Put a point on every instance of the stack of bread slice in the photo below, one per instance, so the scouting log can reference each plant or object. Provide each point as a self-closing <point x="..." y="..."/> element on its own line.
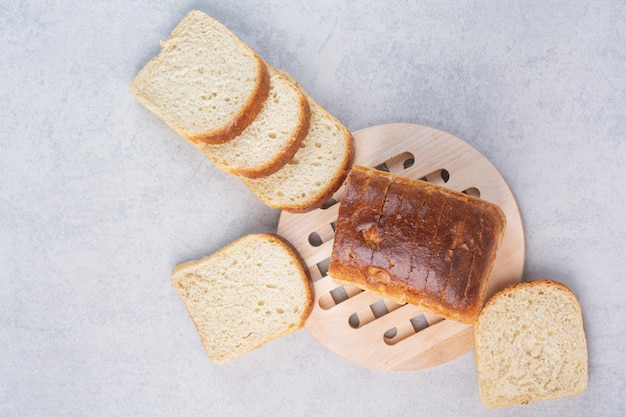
<point x="249" y="119"/>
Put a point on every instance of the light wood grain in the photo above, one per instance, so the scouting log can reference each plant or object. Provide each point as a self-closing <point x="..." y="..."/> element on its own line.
<point x="389" y="342"/>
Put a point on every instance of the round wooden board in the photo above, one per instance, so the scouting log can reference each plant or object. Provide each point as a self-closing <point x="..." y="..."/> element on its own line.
<point x="375" y="332"/>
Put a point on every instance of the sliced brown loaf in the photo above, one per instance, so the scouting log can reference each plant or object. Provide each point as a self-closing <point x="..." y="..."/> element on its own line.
<point x="271" y="140"/>
<point x="530" y="345"/>
<point x="316" y="171"/>
<point x="249" y="292"/>
<point x="206" y="84"/>
<point x="416" y="242"/>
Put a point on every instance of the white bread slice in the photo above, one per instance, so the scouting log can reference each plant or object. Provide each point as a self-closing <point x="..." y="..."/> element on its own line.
<point x="249" y="292"/>
<point x="316" y="171"/>
<point x="271" y="140"/>
<point x="530" y="345"/>
<point x="206" y="84"/>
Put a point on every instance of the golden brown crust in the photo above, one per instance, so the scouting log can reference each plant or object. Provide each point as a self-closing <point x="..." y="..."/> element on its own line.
<point x="529" y="284"/>
<point x="333" y="185"/>
<point x="288" y="152"/>
<point x="416" y="242"/>
<point x="305" y="273"/>
<point x="246" y="114"/>
<point x="337" y="181"/>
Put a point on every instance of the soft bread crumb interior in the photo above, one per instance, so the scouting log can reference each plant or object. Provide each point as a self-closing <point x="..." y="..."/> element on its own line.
<point x="246" y="294"/>
<point x="530" y="345"/>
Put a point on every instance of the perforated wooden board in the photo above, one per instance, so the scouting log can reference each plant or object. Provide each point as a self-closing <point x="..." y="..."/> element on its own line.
<point x="375" y="332"/>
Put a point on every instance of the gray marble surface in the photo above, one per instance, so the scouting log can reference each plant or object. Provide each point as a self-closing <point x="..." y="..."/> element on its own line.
<point x="99" y="200"/>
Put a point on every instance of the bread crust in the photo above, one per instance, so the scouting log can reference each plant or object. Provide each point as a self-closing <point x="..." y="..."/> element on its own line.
<point x="288" y="151"/>
<point x="416" y="242"/>
<point x="333" y="185"/>
<point x="340" y="176"/>
<point x="246" y="114"/>
<point x="529" y="284"/>
<point x="299" y="261"/>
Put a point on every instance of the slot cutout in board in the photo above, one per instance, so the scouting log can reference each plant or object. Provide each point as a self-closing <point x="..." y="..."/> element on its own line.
<point x="329" y="203"/>
<point x="372" y="312"/>
<point x="315" y="239"/>
<point x="473" y="191"/>
<point x="439" y="177"/>
<point x="337" y="296"/>
<point x="411" y="327"/>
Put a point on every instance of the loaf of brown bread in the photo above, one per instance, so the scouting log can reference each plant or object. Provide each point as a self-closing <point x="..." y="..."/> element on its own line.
<point x="416" y="242"/>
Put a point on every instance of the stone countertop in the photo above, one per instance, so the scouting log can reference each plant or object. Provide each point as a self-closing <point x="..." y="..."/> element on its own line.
<point x="99" y="200"/>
